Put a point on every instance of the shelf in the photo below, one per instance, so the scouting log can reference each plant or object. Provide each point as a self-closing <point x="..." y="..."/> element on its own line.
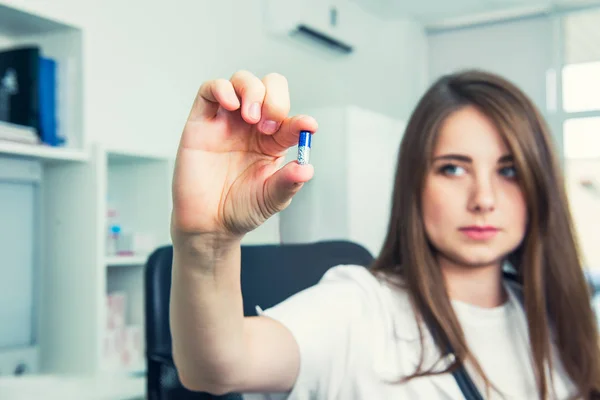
<point x="42" y="152"/>
<point x="122" y="156"/>
<point x="16" y="22"/>
<point x="20" y="26"/>
<point x="123" y="261"/>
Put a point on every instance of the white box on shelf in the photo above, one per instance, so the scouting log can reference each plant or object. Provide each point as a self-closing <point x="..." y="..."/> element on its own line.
<point x="144" y="242"/>
<point x="132" y="354"/>
<point x="110" y="351"/>
<point x="116" y="307"/>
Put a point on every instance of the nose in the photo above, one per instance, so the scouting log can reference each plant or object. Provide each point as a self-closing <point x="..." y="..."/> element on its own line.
<point x="483" y="195"/>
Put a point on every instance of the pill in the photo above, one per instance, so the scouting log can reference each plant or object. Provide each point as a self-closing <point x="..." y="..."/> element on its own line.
<point x="304" y="143"/>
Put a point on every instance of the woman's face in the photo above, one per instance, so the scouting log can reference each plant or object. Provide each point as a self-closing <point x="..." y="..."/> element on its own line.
<point x="473" y="207"/>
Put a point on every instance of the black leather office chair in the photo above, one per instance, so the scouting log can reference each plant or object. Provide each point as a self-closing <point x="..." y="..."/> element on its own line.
<point x="270" y="274"/>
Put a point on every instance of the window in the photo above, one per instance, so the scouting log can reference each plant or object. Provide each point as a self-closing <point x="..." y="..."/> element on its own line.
<point x="581" y="138"/>
<point x="581" y="127"/>
<point x="581" y="87"/>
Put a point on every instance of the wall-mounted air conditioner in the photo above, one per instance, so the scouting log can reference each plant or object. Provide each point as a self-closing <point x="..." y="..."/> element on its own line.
<point x="326" y="24"/>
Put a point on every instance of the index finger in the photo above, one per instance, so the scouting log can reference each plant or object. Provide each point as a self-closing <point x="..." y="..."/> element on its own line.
<point x="288" y="134"/>
<point x="212" y="95"/>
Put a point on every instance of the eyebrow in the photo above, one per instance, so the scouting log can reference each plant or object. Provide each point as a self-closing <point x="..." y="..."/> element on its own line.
<point x="460" y="157"/>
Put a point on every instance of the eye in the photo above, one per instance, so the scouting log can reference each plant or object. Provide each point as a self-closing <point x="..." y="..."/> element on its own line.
<point x="509" y="172"/>
<point x="451" y="169"/>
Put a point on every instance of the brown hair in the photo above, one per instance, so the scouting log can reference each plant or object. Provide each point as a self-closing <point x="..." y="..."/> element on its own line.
<point x="555" y="294"/>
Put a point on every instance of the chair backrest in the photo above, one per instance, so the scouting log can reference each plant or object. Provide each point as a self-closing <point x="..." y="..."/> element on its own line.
<point x="269" y="275"/>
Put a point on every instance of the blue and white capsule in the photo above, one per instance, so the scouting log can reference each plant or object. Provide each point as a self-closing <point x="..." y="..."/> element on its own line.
<point x="304" y="143"/>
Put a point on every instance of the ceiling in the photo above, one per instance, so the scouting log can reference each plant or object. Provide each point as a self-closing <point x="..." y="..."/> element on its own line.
<point x="440" y="13"/>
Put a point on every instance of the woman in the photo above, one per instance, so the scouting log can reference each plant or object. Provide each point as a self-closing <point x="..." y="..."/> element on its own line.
<point x="478" y="188"/>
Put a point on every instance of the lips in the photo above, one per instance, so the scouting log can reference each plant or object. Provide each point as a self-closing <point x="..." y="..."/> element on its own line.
<point x="479" y="232"/>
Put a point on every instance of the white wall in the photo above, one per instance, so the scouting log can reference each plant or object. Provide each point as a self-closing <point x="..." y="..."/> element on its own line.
<point x="371" y="173"/>
<point x="320" y="210"/>
<point x="521" y="51"/>
<point x="585" y="207"/>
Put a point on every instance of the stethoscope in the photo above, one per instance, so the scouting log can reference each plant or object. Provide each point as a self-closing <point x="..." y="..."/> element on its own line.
<point x="462" y="378"/>
<point x="466" y="385"/>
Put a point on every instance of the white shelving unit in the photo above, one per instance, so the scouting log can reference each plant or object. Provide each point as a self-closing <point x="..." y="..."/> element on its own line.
<point x="66" y="192"/>
<point x="40" y="152"/>
<point x="139" y="188"/>
<point x="78" y="183"/>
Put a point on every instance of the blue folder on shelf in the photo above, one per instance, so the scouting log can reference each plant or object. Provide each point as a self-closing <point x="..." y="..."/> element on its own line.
<point x="47" y="103"/>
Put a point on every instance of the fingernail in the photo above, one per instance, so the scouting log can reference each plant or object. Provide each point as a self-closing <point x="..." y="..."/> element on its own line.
<point x="254" y="111"/>
<point x="269" y="126"/>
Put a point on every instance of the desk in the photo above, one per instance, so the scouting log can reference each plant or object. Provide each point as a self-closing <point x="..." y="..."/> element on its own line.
<point x="67" y="387"/>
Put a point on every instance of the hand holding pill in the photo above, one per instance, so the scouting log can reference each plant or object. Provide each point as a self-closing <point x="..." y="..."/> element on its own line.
<point x="228" y="176"/>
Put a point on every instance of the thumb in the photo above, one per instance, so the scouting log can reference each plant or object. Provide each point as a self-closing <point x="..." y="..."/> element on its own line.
<point x="285" y="183"/>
